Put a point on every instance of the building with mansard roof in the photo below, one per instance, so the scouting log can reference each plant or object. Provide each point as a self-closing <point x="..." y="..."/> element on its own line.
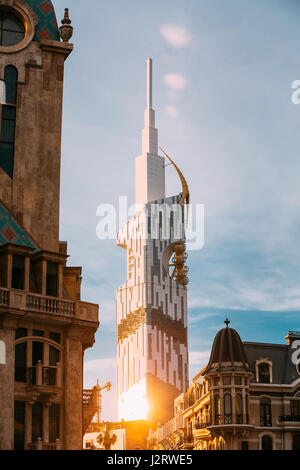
<point x="45" y="327"/>
<point x="246" y="398"/>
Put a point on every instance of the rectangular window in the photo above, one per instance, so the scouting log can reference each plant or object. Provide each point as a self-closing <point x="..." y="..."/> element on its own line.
<point x="20" y="362"/>
<point x="21" y="333"/>
<point x="54" y="356"/>
<point x="238" y="380"/>
<point x="227" y="380"/>
<point x="19" y="425"/>
<point x="295" y="408"/>
<point x="54" y="423"/>
<point x="18" y="272"/>
<point x="37" y="421"/>
<point x="37" y="352"/>
<point x="38" y="333"/>
<point x="52" y="279"/>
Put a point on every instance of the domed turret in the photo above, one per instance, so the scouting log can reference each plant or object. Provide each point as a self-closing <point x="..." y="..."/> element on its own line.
<point x="46" y="27"/>
<point x="227" y="351"/>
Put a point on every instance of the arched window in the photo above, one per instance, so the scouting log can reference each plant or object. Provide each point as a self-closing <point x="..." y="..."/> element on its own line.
<point x="266" y="443"/>
<point x="2" y="353"/>
<point x="239" y="408"/>
<point x="11" y="81"/>
<point x="7" y="139"/>
<point x="264" y="373"/>
<point x="265" y="412"/>
<point x="227" y="409"/>
<point x="217" y="409"/>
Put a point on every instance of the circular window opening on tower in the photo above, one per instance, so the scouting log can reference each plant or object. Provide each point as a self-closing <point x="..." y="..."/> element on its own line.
<point x="12" y="29"/>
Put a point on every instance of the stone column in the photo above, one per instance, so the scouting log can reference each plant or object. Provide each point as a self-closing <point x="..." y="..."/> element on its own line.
<point x="26" y="273"/>
<point x="28" y="424"/>
<point x="73" y="366"/>
<point x="7" y="382"/>
<point x="46" y="422"/>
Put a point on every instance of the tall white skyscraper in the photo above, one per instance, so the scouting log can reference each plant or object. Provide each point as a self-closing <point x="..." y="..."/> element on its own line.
<point x="152" y="364"/>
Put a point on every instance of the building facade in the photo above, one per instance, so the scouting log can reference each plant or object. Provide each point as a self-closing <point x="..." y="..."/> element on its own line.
<point x="152" y="361"/>
<point x="246" y="398"/>
<point x="44" y="325"/>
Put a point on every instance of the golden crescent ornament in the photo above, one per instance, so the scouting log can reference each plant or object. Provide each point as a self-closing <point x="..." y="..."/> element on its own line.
<point x="185" y="189"/>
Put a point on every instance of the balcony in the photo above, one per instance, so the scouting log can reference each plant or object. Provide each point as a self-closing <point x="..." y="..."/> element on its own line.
<point x="199" y="426"/>
<point x="230" y="420"/>
<point x="4" y="297"/>
<point x="44" y="379"/>
<point x="292" y="421"/>
<point x="42" y="304"/>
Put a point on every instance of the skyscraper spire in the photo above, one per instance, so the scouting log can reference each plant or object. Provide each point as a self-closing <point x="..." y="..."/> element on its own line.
<point x="150" y="170"/>
<point x="150" y="135"/>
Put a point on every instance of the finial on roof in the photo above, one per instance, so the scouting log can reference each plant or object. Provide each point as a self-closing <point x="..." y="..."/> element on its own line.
<point x="227" y="322"/>
<point x="66" y="30"/>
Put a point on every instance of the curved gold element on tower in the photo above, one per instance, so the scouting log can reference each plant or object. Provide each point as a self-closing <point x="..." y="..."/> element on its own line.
<point x="185" y="189"/>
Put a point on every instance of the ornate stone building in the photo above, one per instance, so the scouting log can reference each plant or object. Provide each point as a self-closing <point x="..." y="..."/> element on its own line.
<point x="44" y="325"/>
<point x="246" y="398"/>
<point x="152" y="304"/>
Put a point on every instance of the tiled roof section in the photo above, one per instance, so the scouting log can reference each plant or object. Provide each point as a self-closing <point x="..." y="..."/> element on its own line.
<point x="284" y="371"/>
<point x="12" y="232"/>
<point x="47" y="26"/>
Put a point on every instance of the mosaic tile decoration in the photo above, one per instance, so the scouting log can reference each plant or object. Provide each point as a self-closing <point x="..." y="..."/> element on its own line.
<point x="47" y="26"/>
<point x="12" y="232"/>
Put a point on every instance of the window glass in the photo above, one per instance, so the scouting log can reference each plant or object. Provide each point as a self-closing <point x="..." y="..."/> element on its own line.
<point x="54" y="423"/>
<point x="21" y="333"/>
<point x="238" y="380"/>
<point x="7" y="158"/>
<point x="37" y="421"/>
<point x="18" y="272"/>
<point x="19" y="425"/>
<point x="52" y="279"/>
<point x="265" y="412"/>
<point x="54" y="356"/>
<point x="267" y="443"/>
<point x="38" y="333"/>
<point x="12" y="29"/>
<point x="2" y="92"/>
<point x="37" y="352"/>
<point x="11" y="82"/>
<point x="227" y="380"/>
<point x="20" y="362"/>
<point x="264" y="373"/>
<point x="55" y="337"/>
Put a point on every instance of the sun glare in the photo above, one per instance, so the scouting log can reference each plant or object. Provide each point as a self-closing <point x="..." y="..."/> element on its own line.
<point x="133" y="404"/>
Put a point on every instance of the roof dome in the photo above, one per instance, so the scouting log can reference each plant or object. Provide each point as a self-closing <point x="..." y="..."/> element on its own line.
<point x="47" y="24"/>
<point x="227" y="351"/>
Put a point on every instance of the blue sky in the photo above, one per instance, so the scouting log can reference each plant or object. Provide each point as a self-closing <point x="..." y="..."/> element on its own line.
<point x="223" y="72"/>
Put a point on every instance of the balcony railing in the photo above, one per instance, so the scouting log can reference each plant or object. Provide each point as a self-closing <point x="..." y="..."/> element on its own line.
<point x="40" y="445"/>
<point x="42" y="304"/>
<point x="4" y="297"/>
<point x="289" y="418"/>
<point x="231" y="419"/>
<point x="202" y="425"/>
<point x="40" y="375"/>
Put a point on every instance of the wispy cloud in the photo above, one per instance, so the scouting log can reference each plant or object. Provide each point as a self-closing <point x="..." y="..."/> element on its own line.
<point x="175" y="81"/>
<point x="199" y="358"/>
<point x="175" y="35"/>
